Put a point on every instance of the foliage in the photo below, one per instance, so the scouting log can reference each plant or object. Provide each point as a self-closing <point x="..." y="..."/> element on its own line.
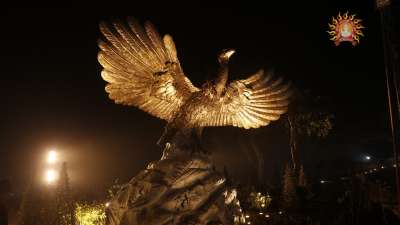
<point x="309" y="116"/>
<point x="259" y="201"/>
<point x="113" y="190"/>
<point x="36" y="208"/>
<point x="90" y="214"/>
<point x="48" y="205"/>
<point x="28" y="214"/>
<point x="317" y="124"/>
<point x="64" y="201"/>
<point x="306" y="117"/>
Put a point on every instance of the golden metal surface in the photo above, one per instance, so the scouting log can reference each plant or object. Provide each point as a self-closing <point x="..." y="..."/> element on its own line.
<point x="142" y="69"/>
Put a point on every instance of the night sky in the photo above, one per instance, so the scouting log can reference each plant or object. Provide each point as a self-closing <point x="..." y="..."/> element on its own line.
<point x="53" y="95"/>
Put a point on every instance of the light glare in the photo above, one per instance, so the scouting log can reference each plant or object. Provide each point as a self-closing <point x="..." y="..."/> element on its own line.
<point x="51" y="176"/>
<point x="52" y="157"/>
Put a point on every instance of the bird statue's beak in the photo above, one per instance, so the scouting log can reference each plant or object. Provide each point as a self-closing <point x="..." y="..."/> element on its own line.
<point x="229" y="53"/>
<point x="225" y="55"/>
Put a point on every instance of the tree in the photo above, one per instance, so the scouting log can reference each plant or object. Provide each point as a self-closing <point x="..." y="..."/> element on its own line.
<point x="90" y="214"/>
<point x="289" y="187"/>
<point x="33" y="209"/>
<point x="64" y="202"/>
<point x="28" y="212"/>
<point x="306" y="117"/>
<point x="302" y="178"/>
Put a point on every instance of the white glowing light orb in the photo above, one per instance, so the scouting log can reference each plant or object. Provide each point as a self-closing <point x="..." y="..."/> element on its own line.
<point x="367" y="157"/>
<point x="52" y="157"/>
<point x="51" y="176"/>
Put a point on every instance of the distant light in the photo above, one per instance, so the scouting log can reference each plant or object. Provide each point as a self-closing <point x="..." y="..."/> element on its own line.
<point x="107" y="204"/>
<point x="394" y="165"/>
<point x="260" y="213"/>
<point x="52" y="157"/>
<point x="248" y="222"/>
<point x="374" y="169"/>
<point x="382" y="167"/>
<point x="247" y="216"/>
<point x="51" y="176"/>
<point x="323" y="181"/>
<point x="266" y="215"/>
<point x="280" y="212"/>
<point x="367" y="157"/>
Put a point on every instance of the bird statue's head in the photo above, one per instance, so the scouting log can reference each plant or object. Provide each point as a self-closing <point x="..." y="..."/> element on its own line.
<point x="224" y="56"/>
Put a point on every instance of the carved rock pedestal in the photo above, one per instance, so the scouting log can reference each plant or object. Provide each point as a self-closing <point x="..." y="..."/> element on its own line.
<point x="181" y="188"/>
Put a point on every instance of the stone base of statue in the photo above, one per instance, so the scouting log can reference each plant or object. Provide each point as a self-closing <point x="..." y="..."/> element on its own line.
<point x="181" y="188"/>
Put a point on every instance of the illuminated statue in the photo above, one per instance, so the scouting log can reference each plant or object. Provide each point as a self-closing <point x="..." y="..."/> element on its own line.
<point x="142" y="69"/>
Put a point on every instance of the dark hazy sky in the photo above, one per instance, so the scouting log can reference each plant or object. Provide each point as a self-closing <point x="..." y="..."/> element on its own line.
<point x="52" y="94"/>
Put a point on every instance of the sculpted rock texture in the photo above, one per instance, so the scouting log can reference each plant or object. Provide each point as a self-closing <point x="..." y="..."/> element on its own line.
<point x="181" y="188"/>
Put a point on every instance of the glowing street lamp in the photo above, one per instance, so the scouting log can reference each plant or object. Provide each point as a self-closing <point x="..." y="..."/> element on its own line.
<point x="51" y="176"/>
<point x="367" y="157"/>
<point x="52" y="157"/>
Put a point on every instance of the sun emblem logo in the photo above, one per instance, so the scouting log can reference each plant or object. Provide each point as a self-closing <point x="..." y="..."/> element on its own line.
<point x="345" y="28"/>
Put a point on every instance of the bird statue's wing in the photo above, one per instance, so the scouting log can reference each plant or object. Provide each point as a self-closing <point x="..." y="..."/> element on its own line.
<point x="249" y="103"/>
<point x="142" y="69"/>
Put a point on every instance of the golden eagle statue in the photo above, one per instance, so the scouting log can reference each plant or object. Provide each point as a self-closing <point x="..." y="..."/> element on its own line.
<point x="143" y="70"/>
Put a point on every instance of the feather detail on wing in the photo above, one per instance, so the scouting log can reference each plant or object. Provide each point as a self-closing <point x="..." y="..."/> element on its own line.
<point x="249" y="103"/>
<point x="142" y="69"/>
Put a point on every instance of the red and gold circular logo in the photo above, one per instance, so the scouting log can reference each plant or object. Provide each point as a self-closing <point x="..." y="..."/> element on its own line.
<point x="345" y="28"/>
